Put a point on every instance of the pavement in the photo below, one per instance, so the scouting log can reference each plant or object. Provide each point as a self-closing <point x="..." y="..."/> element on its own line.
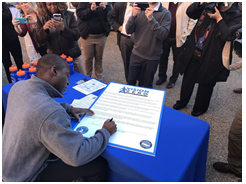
<point x="222" y="109"/>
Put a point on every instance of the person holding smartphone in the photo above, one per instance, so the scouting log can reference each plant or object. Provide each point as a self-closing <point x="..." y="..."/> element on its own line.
<point x="150" y="27"/>
<point x="58" y="34"/>
<point x="23" y="29"/>
<point x="94" y="29"/>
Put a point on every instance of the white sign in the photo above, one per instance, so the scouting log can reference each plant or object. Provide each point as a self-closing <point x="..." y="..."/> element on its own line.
<point x="137" y="112"/>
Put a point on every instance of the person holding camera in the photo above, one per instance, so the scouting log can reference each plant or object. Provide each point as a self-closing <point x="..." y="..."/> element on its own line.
<point x="26" y="29"/>
<point x="94" y="29"/>
<point x="150" y="26"/>
<point x="202" y="54"/>
<point x="57" y="32"/>
<point x="118" y="19"/>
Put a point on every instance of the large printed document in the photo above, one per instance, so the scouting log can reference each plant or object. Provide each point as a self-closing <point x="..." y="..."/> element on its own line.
<point x="137" y="111"/>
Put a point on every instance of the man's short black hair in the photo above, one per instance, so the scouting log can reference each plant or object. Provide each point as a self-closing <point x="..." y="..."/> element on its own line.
<point x="49" y="60"/>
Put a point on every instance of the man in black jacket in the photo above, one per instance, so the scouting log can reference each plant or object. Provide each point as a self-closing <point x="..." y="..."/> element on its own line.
<point x="10" y="42"/>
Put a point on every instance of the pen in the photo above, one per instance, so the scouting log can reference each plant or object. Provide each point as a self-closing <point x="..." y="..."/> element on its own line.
<point x="111" y="120"/>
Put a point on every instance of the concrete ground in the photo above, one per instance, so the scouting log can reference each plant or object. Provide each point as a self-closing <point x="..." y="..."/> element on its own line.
<point x="219" y="116"/>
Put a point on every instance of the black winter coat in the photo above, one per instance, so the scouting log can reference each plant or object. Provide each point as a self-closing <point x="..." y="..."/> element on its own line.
<point x="8" y="32"/>
<point x="211" y="68"/>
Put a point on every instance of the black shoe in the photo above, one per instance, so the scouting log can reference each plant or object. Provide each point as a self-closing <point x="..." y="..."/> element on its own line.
<point x="178" y="106"/>
<point x="197" y="113"/>
<point x="237" y="90"/>
<point x="224" y="168"/>
<point x="160" y="81"/>
<point x="170" y="85"/>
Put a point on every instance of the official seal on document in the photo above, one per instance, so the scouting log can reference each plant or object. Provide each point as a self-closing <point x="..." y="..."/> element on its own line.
<point x="82" y="129"/>
<point x="145" y="144"/>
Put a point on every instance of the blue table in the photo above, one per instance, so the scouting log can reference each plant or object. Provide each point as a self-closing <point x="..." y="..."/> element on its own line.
<point x="181" y="152"/>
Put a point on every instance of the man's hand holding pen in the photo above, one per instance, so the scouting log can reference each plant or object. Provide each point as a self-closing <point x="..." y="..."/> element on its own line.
<point x="110" y="126"/>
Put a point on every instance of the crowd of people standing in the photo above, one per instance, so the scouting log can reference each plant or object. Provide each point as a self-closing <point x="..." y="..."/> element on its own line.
<point x="145" y="39"/>
<point x="145" y="35"/>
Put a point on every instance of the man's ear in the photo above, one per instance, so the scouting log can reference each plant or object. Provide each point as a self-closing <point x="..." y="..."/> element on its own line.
<point x="53" y="71"/>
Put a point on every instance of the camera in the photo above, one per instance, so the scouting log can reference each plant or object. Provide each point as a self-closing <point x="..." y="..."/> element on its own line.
<point x="57" y="16"/>
<point x="97" y="3"/>
<point x="143" y="5"/>
<point x="210" y="8"/>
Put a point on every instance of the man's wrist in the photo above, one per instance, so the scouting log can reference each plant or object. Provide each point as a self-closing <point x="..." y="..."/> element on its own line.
<point x="219" y="19"/>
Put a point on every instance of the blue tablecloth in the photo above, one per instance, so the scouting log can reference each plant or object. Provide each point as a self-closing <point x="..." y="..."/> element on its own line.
<point x="181" y="152"/>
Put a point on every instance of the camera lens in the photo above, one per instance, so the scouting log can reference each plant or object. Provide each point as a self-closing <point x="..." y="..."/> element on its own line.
<point x="210" y="8"/>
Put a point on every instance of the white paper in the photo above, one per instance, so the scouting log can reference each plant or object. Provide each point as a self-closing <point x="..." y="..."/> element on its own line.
<point x="90" y="86"/>
<point x="137" y="116"/>
<point x="85" y="102"/>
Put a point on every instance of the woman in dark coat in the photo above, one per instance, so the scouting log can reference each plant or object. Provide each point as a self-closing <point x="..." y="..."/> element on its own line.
<point x="59" y="37"/>
<point x="202" y="56"/>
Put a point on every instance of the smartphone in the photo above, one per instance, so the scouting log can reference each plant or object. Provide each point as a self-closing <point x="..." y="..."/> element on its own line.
<point x="57" y="16"/>
<point x="97" y="3"/>
<point x="23" y="20"/>
<point x="143" y="6"/>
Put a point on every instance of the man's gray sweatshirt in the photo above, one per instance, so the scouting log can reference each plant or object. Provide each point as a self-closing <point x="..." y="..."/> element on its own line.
<point x="35" y="126"/>
<point x="149" y="35"/>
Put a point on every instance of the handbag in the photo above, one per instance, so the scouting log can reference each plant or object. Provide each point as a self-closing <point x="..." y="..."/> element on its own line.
<point x="74" y="50"/>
